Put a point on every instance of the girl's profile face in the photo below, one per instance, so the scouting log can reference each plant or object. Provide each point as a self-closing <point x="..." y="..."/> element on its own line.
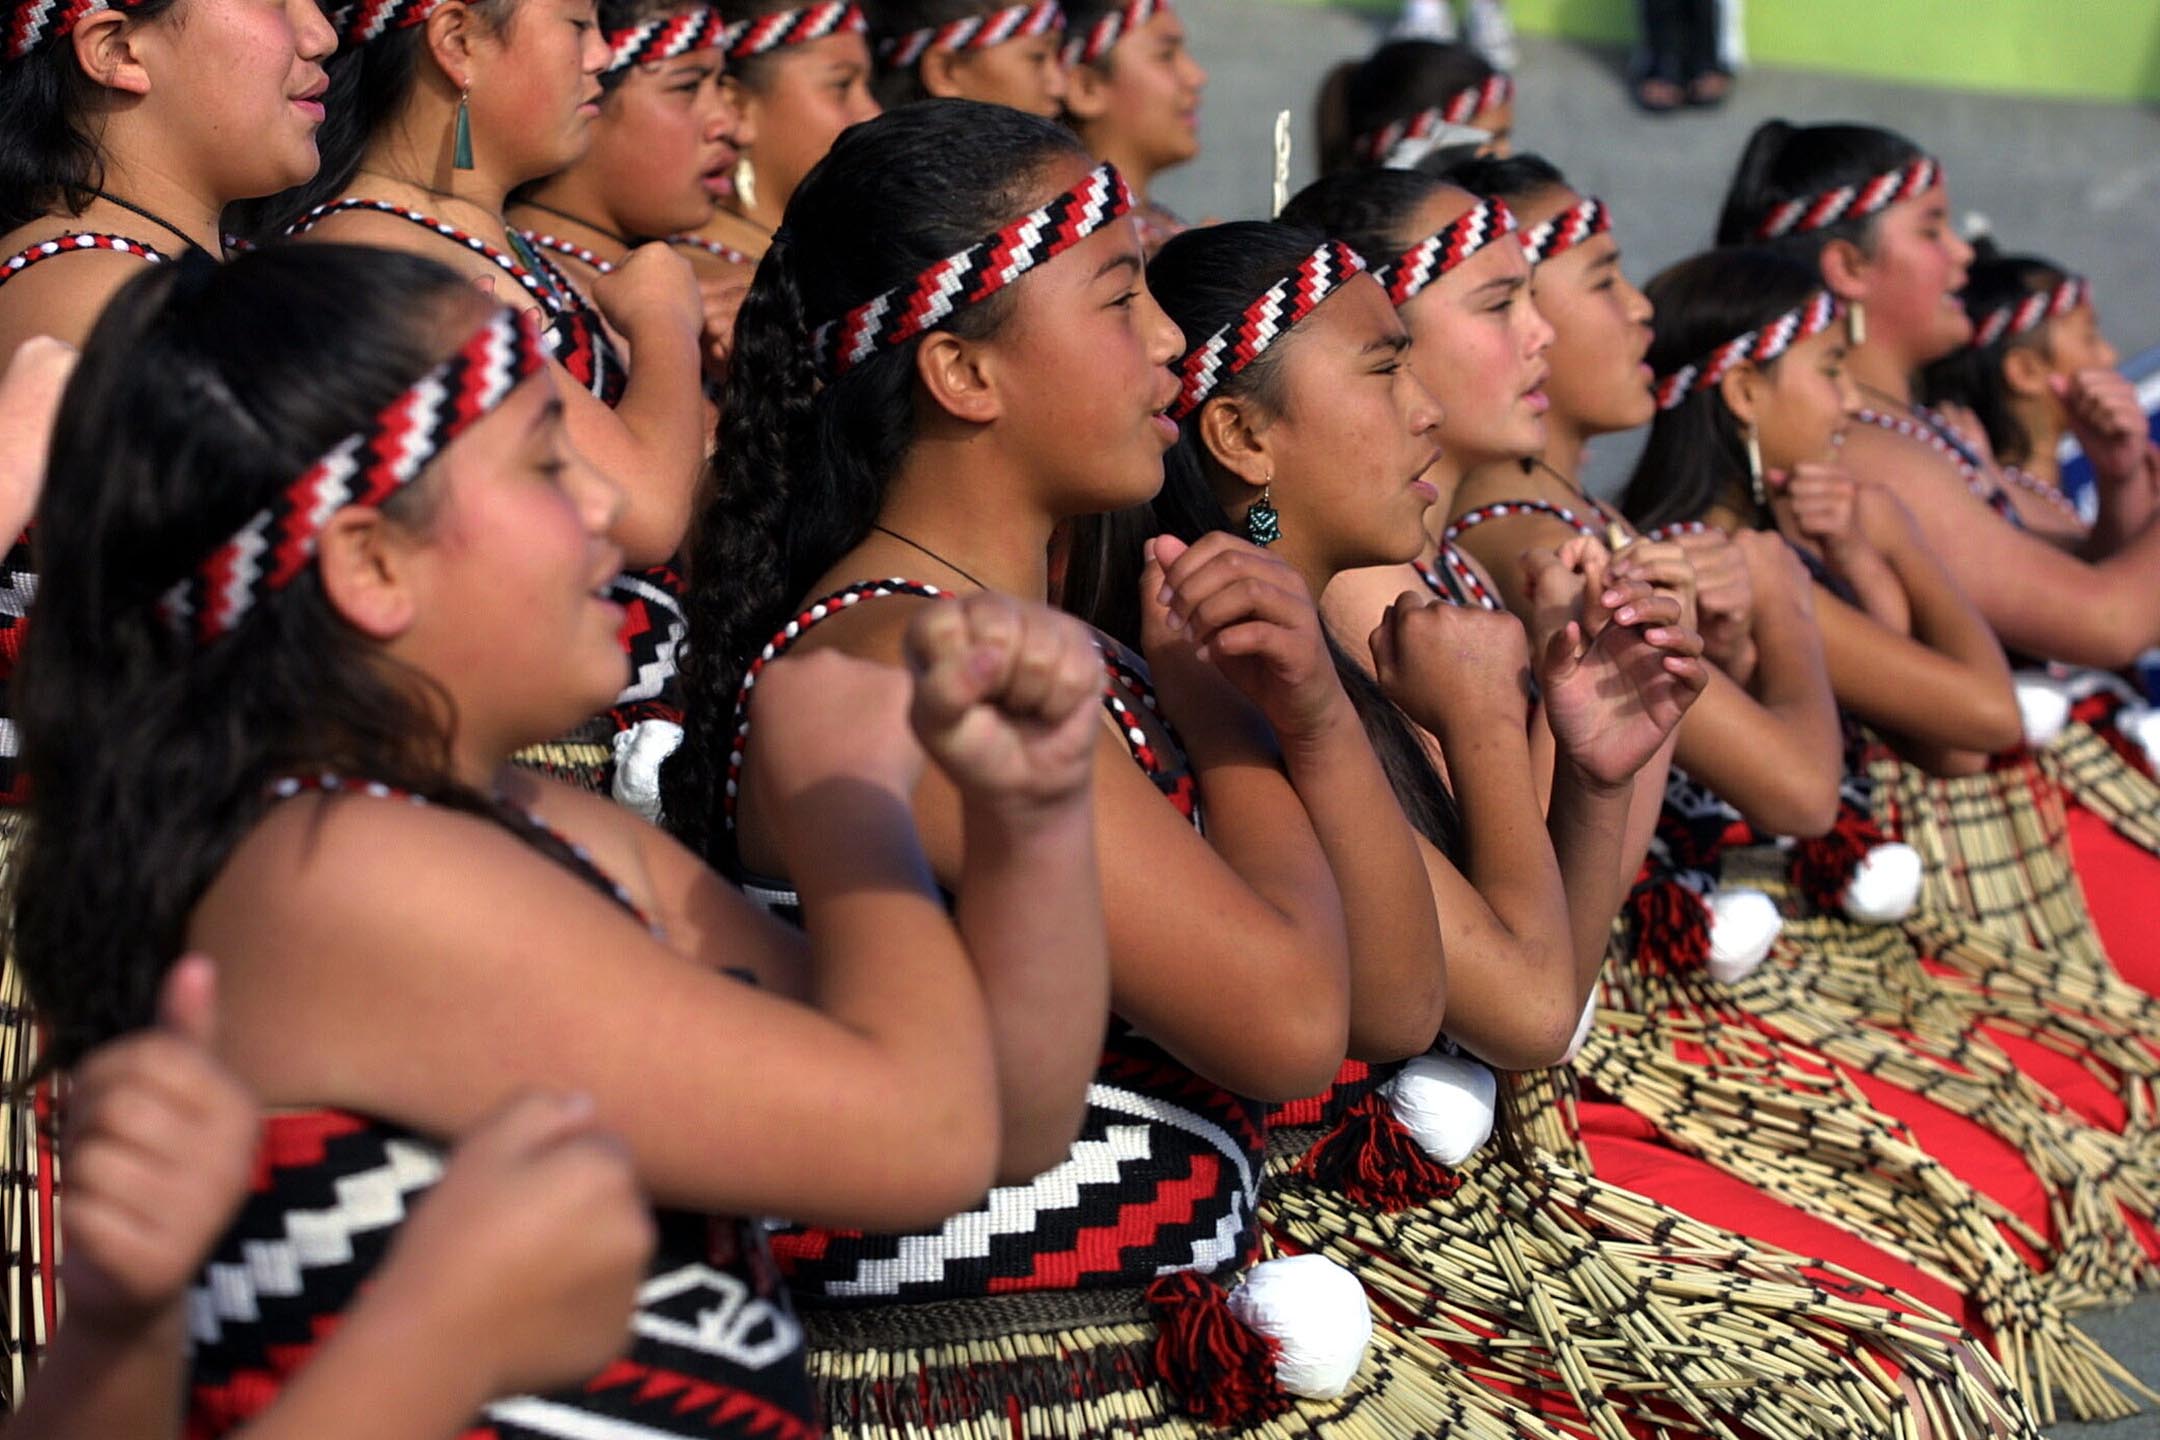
<point x="1917" y="270"/>
<point x="1804" y="396"/>
<point x="804" y="97"/>
<point x="1151" y="87"/>
<point x="661" y="145"/>
<point x="1025" y="74"/>
<point x="536" y="89"/>
<point x="1601" y="382"/>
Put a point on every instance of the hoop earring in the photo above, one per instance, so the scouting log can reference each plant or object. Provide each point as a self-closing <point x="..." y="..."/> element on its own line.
<point x="1753" y="442"/>
<point x="1262" y="525"/>
<point x="461" y="132"/>
<point x="746" y="183"/>
<point x="1856" y="324"/>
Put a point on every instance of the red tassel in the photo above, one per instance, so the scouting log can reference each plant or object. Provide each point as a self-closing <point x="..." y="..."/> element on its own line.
<point x="1671" y="924"/>
<point x="1823" y="867"/>
<point x="1214" y="1368"/>
<point x="1375" y="1163"/>
<point x="2100" y="711"/>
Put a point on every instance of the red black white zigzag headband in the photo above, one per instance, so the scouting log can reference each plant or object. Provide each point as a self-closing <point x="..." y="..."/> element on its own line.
<point x="366" y="468"/>
<point x="665" y="37"/>
<point x="1759" y="345"/>
<point x="1245" y="339"/>
<point x="1085" y="47"/>
<point x="1434" y="256"/>
<point x="1850" y="202"/>
<point x="2010" y="321"/>
<point x="973" y="32"/>
<point x="783" y="28"/>
<point x="1580" y="222"/>
<point x="1461" y="108"/>
<point x="30" y="23"/>
<point x="972" y="276"/>
<point x="359" y="23"/>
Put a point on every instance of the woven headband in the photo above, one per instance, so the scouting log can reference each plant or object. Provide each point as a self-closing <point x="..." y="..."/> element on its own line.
<point x="358" y="23"/>
<point x="1760" y="346"/>
<point x="30" y="23"/>
<point x="1461" y="108"/>
<point x="1085" y="47"/>
<point x="667" y="37"/>
<point x="365" y="468"/>
<point x="1269" y="318"/>
<point x="1580" y="222"/>
<point x="972" y="276"/>
<point x="1435" y="255"/>
<point x="972" y="32"/>
<point x="2011" y="321"/>
<point x="1850" y="202"/>
<point x="783" y="28"/>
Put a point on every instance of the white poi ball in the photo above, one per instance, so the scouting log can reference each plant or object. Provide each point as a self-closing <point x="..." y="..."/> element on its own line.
<point x="1316" y="1311"/>
<point x="1744" y="924"/>
<point x="1446" y="1103"/>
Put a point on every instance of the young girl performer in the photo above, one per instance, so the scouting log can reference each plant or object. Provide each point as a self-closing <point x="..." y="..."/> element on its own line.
<point x="1870" y="210"/>
<point x="1476" y="331"/>
<point x="902" y="404"/>
<point x="1410" y="97"/>
<point x="519" y="1273"/>
<point x="1132" y="92"/>
<point x="798" y="75"/>
<point x="347" y="596"/>
<point x="1323" y="432"/>
<point x="988" y="50"/>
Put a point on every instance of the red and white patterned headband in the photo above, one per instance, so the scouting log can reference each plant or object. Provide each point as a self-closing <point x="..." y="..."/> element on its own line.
<point x="972" y="32"/>
<point x="667" y="37"/>
<point x="1434" y="256"/>
<point x="1850" y="202"/>
<point x="1269" y="318"/>
<point x="1579" y="223"/>
<point x="971" y="276"/>
<point x="2011" y="321"/>
<point x="367" y="20"/>
<point x="1087" y="46"/>
<point x="1760" y="346"/>
<point x="366" y="468"/>
<point x="1461" y="108"/>
<point x="783" y="28"/>
<point x="30" y="23"/>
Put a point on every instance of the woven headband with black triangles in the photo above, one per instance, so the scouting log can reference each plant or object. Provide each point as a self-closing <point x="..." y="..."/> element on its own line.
<point x="971" y="276"/>
<point x="666" y="37"/>
<point x="365" y="468"/>
<point x="1850" y="202"/>
<point x="1460" y="109"/>
<point x="783" y="28"/>
<point x="1434" y="256"/>
<point x="1085" y="47"/>
<point x="30" y="23"/>
<point x="1580" y="222"/>
<point x="972" y="32"/>
<point x="1245" y="339"/>
<point x="1761" y="345"/>
<point x="2028" y="314"/>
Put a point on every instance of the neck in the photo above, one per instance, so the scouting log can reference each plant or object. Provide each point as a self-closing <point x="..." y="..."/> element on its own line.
<point x="418" y="151"/>
<point x="1138" y="171"/>
<point x="971" y="510"/>
<point x="2044" y="432"/>
<point x="560" y="210"/>
<point x="1878" y="368"/>
<point x="1563" y="445"/>
<point x="158" y="188"/>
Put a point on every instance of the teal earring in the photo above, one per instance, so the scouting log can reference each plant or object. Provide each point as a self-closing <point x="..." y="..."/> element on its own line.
<point x="1262" y="525"/>
<point x="461" y="136"/>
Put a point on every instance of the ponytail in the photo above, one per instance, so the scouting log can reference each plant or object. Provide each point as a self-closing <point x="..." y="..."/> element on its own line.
<point x="1784" y="162"/>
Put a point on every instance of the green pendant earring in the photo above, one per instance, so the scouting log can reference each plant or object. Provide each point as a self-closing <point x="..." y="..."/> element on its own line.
<point x="1262" y="525"/>
<point x="461" y="135"/>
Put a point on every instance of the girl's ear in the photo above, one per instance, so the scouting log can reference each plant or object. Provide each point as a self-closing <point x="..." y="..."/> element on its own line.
<point x="939" y="70"/>
<point x="1087" y="93"/>
<point x="1743" y="390"/>
<point x="957" y="378"/>
<point x="451" y="32"/>
<point x="1847" y="271"/>
<point x="1232" y="430"/>
<point x="2026" y="372"/>
<point x="367" y="572"/>
<point x="104" y="48"/>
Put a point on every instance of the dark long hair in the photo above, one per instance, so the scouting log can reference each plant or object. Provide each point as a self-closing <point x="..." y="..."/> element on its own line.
<point x="802" y="468"/>
<point x="48" y="154"/>
<point x="1513" y="178"/>
<point x="203" y="391"/>
<point x="1368" y="210"/>
<point x="1696" y="456"/>
<point x="1393" y="83"/>
<point x="1972" y="375"/>
<point x="369" y="85"/>
<point x="890" y="20"/>
<point x="1785" y="162"/>
<point x="1204" y="279"/>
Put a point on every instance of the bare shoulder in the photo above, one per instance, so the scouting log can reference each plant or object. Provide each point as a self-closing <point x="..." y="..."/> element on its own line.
<point x="62" y="296"/>
<point x="1886" y="456"/>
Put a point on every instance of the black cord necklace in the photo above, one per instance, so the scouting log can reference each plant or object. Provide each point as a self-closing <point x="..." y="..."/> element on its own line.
<point x="622" y="240"/>
<point x="914" y="545"/>
<point x="186" y="240"/>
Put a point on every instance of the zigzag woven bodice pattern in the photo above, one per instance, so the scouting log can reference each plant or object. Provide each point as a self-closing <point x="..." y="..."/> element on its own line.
<point x="1164" y="1175"/>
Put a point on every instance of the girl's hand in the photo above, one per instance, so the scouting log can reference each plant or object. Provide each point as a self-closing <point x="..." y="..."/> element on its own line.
<point x="531" y="1246"/>
<point x="1006" y="699"/>
<point x="1822" y="503"/>
<point x="1664" y="566"/>
<point x="158" y="1151"/>
<point x="2109" y="423"/>
<point x="1724" y="599"/>
<point x="1617" y="680"/>
<point x="1236" y="608"/>
<point x="721" y="300"/>
<point x="653" y="287"/>
<point x="1452" y="668"/>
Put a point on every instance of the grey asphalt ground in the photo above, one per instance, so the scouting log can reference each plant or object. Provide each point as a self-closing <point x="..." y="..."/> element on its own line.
<point x="2077" y="182"/>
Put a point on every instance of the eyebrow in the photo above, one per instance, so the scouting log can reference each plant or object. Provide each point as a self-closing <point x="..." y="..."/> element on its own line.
<point x="551" y="411"/>
<point x="1129" y="261"/>
<point x="699" y="68"/>
<point x="1505" y="282"/>
<point x="1393" y="344"/>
